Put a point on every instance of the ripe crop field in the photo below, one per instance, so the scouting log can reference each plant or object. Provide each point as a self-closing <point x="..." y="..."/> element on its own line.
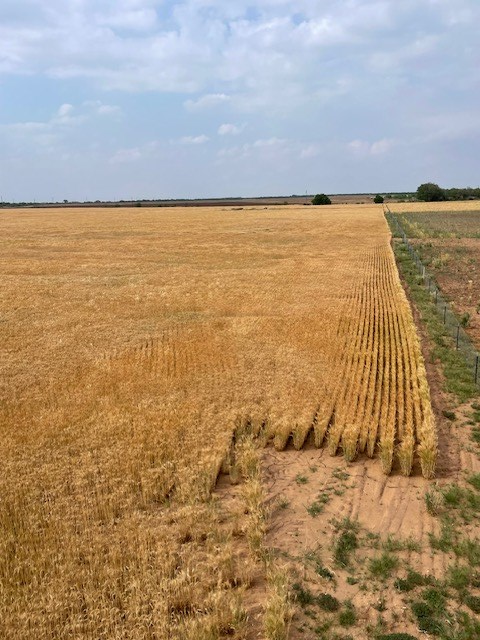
<point x="447" y="236"/>
<point x="135" y="345"/>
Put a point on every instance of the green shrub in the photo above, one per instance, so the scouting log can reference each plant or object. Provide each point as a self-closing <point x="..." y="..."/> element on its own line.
<point x="348" y="616"/>
<point x="383" y="566"/>
<point x="475" y="481"/>
<point x="320" y="199"/>
<point x="303" y="596"/>
<point x="450" y="415"/>
<point x="395" y="636"/>
<point x="426" y="618"/>
<point x="472" y="602"/>
<point x="346" y="542"/>
<point x="459" y="577"/>
<point x="413" y="579"/>
<point x="328" y="602"/>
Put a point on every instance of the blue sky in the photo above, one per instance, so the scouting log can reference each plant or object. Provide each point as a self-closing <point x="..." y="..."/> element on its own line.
<point x="110" y="99"/>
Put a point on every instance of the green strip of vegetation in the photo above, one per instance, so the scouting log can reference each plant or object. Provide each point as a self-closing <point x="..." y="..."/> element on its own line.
<point x="458" y="375"/>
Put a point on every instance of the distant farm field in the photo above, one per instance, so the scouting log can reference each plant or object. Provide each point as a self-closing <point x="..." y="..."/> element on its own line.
<point x="447" y="236"/>
<point x="135" y="345"/>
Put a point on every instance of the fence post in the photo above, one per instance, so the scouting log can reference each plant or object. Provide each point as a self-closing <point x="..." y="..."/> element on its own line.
<point x="458" y="334"/>
<point x="445" y="314"/>
<point x="476" y="367"/>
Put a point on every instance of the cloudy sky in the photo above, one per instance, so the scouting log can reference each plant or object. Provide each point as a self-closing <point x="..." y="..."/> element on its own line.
<point x="196" y="98"/>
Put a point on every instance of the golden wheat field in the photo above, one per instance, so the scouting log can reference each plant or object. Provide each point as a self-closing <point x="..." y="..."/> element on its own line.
<point x="431" y="207"/>
<point x="135" y="345"/>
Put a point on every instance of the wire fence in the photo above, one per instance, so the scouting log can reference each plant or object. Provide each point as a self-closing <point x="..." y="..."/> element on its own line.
<point x="453" y="325"/>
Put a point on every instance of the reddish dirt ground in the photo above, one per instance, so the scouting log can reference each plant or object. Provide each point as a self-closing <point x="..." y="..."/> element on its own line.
<point x="455" y="263"/>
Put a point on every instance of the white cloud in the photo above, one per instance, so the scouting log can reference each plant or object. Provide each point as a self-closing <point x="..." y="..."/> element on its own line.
<point x="66" y="119"/>
<point x="380" y="147"/>
<point x="377" y="148"/>
<point x="230" y="53"/>
<point x="194" y="139"/>
<point x="310" y="151"/>
<point x="108" y="110"/>
<point x="230" y="130"/>
<point x="208" y="101"/>
<point x="65" y="110"/>
<point x="269" y="143"/>
<point x="97" y="107"/>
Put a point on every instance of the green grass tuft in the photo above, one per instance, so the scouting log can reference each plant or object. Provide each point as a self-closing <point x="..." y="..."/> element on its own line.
<point x="383" y="566"/>
<point x="348" y="616"/>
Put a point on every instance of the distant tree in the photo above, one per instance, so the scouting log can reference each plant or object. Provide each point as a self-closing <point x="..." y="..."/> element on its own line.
<point x="378" y="199"/>
<point x="430" y="192"/>
<point x="321" y="198"/>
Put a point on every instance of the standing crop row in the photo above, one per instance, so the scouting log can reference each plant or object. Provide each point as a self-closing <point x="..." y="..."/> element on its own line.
<point x="378" y="401"/>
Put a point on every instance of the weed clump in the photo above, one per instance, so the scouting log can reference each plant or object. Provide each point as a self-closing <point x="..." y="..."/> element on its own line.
<point x="328" y="602"/>
<point x="383" y="566"/>
<point x="346" y="543"/>
<point x="348" y="616"/>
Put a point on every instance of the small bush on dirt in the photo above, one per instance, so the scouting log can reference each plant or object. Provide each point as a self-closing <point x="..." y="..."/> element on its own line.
<point x="450" y="415"/>
<point x="475" y="435"/>
<point x="395" y="636"/>
<point x="459" y="577"/>
<point x="427" y="618"/>
<point x="475" y="481"/>
<point x="395" y="544"/>
<point x="317" y="507"/>
<point x="472" y="602"/>
<point x="436" y="598"/>
<point x="328" y="602"/>
<point x="445" y="541"/>
<point x="303" y="596"/>
<point x="413" y="579"/>
<point x="348" y="616"/>
<point x="383" y="566"/>
<point x="324" y="572"/>
<point x="346" y="542"/>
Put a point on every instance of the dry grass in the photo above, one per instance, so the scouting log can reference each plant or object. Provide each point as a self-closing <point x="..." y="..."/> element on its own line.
<point x="135" y="343"/>
<point x="460" y="205"/>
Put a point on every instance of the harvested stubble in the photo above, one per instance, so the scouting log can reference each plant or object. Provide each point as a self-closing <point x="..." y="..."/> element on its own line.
<point x="135" y="343"/>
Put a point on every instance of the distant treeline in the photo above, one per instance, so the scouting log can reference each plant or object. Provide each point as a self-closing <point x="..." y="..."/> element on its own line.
<point x="431" y="192"/>
<point x="468" y="193"/>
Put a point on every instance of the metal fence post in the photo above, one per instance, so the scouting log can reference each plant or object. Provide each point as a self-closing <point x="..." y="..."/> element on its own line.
<point x="458" y="334"/>
<point x="445" y="314"/>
